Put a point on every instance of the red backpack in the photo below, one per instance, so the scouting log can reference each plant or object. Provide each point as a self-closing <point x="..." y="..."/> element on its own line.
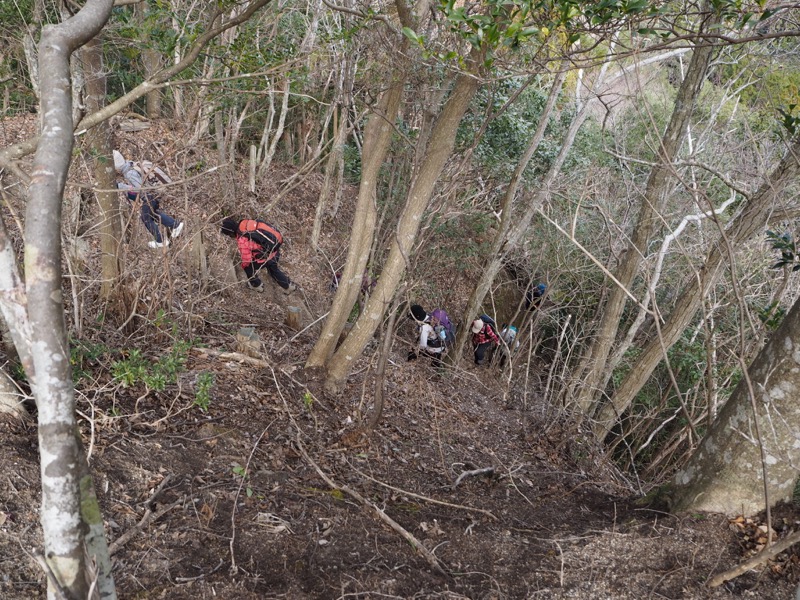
<point x="263" y="234"/>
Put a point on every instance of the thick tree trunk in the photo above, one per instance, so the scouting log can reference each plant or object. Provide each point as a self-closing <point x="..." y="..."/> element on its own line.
<point x="439" y="150"/>
<point x="589" y="383"/>
<point x="750" y="221"/>
<point x="59" y="448"/>
<point x="377" y="137"/>
<point x="725" y="474"/>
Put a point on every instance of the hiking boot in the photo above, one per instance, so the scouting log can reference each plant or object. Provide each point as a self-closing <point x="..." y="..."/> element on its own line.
<point x="256" y="288"/>
<point x="155" y="244"/>
<point x="292" y="287"/>
<point x="177" y="231"/>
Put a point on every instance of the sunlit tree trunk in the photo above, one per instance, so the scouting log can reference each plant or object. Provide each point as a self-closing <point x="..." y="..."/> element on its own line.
<point x="65" y="479"/>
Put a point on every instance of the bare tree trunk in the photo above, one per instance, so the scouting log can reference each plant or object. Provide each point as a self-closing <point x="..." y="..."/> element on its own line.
<point x="59" y="445"/>
<point x="727" y="473"/>
<point x="377" y="135"/>
<point x="588" y="383"/>
<point x="98" y="141"/>
<point x="269" y="152"/>
<point x="438" y="152"/>
<point x="751" y="220"/>
<point x="331" y="167"/>
<point x="151" y="61"/>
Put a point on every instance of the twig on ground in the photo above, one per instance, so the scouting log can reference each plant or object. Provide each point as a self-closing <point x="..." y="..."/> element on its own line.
<point x="234" y="568"/>
<point x="160" y="488"/>
<point x="202" y="575"/>
<point x="465" y="474"/>
<point x="409" y="537"/>
<point x="148" y="517"/>
<point x="763" y="556"/>
<point x="425" y="498"/>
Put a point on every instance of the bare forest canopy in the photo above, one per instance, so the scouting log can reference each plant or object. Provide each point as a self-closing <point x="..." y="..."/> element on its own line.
<point x="615" y="182"/>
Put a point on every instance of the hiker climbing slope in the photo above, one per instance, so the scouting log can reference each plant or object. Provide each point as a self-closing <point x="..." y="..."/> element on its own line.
<point x="152" y="216"/>
<point x="259" y="247"/>
<point x="484" y="338"/>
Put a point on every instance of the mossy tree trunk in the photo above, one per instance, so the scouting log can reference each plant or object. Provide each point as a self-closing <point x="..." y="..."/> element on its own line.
<point x="727" y="472"/>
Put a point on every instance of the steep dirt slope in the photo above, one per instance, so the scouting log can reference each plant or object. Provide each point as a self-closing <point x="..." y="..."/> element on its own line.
<point x="271" y="493"/>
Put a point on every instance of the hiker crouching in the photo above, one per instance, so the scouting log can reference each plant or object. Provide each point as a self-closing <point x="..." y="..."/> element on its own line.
<point x="259" y="246"/>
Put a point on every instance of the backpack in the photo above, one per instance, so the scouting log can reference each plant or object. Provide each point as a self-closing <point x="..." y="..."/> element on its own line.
<point x="263" y="234"/>
<point x="151" y="174"/>
<point x="489" y="321"/>
<point x="445" y="327"/>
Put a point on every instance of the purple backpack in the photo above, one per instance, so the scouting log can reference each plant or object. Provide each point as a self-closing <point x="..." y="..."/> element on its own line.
<point x="444" y="321"/>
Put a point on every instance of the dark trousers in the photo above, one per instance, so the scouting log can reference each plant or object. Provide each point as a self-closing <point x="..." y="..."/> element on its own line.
<point x="153" y="216"/>
<point x="281" y="278"/>
<point x="482" y="352"/>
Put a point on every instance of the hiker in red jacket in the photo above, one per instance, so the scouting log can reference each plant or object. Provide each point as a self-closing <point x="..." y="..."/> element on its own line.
<point x="484" y="338"/>
<point x="259" y="246"/>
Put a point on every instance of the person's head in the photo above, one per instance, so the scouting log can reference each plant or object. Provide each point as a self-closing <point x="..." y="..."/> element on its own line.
<point x="418" y="313"/>
<point x="229" y="227"/>
<point x="119" y="161"/>
<point x="477" y="325"/>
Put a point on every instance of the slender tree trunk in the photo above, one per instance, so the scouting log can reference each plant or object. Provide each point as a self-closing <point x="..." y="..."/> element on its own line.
<point x="98" y="140"/>
<point x="751" y="220"/>
<point x="439" y="150"/>
<point x="588" y="384"/>
<point x="60" y="451"/>
<point x="377" y="135"/>
<point x="726" y="474"/>
<point x="151" y="61"/>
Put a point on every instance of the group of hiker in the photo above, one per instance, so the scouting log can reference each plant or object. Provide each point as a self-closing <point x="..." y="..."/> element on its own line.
<point x="437" y="334"/>
<point x="259" y="244"/>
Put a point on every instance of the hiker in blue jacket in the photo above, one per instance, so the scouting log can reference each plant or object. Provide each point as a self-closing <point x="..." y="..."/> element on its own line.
<point x="151" y="213"/>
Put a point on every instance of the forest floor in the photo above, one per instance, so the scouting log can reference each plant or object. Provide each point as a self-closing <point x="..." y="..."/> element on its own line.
<point x="258" y="486"/>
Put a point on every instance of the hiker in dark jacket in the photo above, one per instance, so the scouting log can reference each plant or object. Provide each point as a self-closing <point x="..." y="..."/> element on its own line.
<point x="259" y="246"/>
<point x="484" y="339"/>
<point x="151" y="213"/>
<point x="534" y="295"/>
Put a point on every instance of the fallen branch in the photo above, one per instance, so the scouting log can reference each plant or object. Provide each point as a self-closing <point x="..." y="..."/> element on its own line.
<point x="409" y="537"/>
<point x="425" y="498"/>
<point x="465" y="474"/>
<point x="148" y="517"/>
<point x="763" y="556"/>
<point x="237" y="356"/>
